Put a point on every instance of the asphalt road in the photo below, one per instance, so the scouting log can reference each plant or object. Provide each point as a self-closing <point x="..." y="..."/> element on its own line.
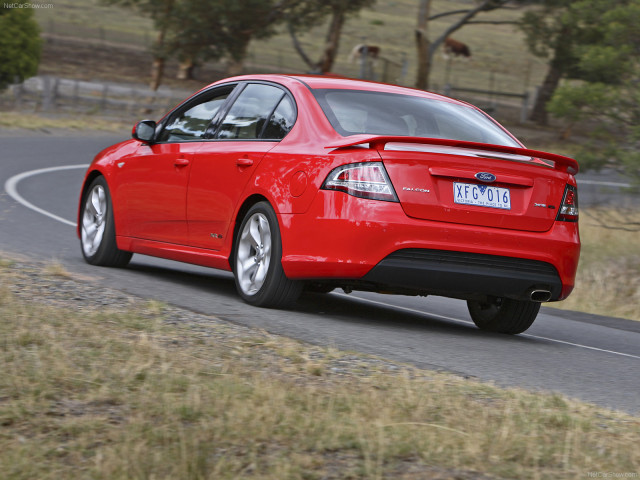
<point x="596" y="359"/>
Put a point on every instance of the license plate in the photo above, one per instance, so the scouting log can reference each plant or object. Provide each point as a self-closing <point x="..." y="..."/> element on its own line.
<point x="481" y="195"/>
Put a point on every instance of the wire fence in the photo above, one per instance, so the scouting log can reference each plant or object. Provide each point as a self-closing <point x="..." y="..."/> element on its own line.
<point x="52" y="94"/>
<point x="141" y="37"/>
<point x="278" y="54"/>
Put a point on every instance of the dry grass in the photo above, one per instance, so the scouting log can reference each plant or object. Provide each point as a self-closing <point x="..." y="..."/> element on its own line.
<point x="57" y="269"/>
<point x="608" y="279"/>
<point x="137" y="393"/>
<point x="19" y="120"/>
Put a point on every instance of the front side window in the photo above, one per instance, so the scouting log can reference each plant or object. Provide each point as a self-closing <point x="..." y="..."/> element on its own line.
<point x="354" y="112"/>
<point x="250" y="112"/>
<point x="192" y="123"/>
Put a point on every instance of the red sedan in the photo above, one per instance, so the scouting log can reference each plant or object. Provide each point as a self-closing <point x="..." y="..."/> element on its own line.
<point x="297" y="182"/>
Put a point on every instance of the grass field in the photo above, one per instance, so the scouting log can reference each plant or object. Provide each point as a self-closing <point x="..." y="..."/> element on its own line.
<point x="608" y="279"/>
<point x="26" y="121"/>
<point x="142" y="390"/>
<point x="500" y="59"/>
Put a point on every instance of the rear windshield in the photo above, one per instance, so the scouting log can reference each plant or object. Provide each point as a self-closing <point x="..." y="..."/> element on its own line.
<point x="354" y="112"/>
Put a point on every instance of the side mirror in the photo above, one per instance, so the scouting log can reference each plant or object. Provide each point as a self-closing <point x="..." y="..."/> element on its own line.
<point x="144" y="131"/>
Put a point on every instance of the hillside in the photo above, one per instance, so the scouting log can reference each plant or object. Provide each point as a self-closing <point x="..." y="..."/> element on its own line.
<point x="500" y="60"/>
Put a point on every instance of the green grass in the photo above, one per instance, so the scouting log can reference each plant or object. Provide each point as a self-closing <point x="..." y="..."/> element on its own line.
<point x="139" y="392"/>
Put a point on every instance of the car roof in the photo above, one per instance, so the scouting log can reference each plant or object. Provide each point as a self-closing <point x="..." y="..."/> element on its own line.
<point x="327" y="81"/>
<point x="319" y="82"/>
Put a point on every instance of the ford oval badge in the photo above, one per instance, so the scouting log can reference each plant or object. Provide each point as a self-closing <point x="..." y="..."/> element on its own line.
<point x="485" y="177"/>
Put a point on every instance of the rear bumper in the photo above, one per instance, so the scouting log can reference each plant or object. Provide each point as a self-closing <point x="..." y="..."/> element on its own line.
<point x="465" y="275"/>
<point x="347" y="238"/>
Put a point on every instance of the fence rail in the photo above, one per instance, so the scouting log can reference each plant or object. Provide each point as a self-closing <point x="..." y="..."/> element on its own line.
<point x="491" y="95"/>
<point x="49" y="94"/>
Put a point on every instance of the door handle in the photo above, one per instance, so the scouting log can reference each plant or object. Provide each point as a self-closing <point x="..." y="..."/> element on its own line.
<point x="244" y="162"/>
<point x="181" y="162"/>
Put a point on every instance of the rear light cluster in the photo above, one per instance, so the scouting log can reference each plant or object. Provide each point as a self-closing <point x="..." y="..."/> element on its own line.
<point x="364" y="180"/>
<point x="569" y="208"/>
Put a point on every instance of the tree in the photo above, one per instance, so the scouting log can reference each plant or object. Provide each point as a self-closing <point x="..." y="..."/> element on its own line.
<point x="551" y="32"/>
<point x="607" y="91"/>
<point x="244" y="20"/>
<point x="20" y="45"/>
<point x="309" y="13"/>
<point x="206" y="29"/>
<point x="426" y="49"/>
<point x="559" y="31"/>
<point x="197" y="33"/>
<point x="161" y="12"/>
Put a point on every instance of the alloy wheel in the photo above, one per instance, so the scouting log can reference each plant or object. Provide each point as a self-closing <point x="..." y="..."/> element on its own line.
<point x="254" y="254"/>
<point x="94" y="220"/>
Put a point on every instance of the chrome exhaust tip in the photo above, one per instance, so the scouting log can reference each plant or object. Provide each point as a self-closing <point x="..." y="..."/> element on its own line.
<point x="540" y="295"/>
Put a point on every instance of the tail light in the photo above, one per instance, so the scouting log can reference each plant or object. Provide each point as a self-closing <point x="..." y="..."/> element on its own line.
<point x="365" y="180"/>
<point x="569" y="208"/>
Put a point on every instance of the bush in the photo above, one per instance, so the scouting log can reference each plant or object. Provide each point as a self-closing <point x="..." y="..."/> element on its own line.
<point x="20" y="44"/>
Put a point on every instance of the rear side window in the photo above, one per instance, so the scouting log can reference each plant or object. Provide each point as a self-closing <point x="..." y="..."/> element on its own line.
<point x="281" y="121"/>
<point x="260" y="111"/>
<point x="353" y="112"/>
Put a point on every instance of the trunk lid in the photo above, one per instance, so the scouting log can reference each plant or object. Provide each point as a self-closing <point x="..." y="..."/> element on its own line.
<point x="475" y="184"/>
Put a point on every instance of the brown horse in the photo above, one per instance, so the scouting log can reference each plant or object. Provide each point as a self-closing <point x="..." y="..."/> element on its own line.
<point x="456" y="48"/>
<point x="358" y="51"/>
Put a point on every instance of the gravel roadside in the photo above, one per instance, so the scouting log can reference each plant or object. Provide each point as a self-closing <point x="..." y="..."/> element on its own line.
<point x="51" y="285"/>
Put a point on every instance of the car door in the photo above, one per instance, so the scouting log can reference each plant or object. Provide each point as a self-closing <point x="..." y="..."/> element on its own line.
<point x="260" y="116"/>
<point x="155" y="178"/>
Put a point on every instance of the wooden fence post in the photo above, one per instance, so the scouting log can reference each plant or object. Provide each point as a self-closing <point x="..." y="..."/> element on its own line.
<point x="363" y="60"/>
<point x="132" y="104"/>
<point x="524" y="111"/>
<point x="17" y="93"/>
<point x="76" y="88"/>
<point x="49" y="89"/>
<point x="103" y="101"/>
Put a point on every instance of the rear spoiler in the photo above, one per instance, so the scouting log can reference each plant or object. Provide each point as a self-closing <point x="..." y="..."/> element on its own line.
<point x="378" y="142"/>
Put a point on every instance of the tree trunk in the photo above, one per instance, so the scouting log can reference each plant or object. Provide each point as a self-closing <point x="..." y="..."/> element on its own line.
<point x="157" y="71"/>
<point x="333" y="41"/>
<point x="552" y="80"/>
<point x="185" y="69"/>
<point x="422" y="45"/>
<point x="157" y="68"/>
<point x="235" y="63"/>
<point x="296" y="44"/>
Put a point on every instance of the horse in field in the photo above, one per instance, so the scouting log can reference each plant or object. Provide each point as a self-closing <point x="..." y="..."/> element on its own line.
<point x="455" y="48"/>
<point x="358" y="51"/>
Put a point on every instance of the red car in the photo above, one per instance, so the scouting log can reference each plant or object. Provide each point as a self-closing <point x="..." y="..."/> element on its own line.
<point x="295" y="182"/>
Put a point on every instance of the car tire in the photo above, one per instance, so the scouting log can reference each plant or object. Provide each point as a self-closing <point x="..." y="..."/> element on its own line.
<point x="503" y="315"/>
<point x="257" y="256"/>
<point x="97" y="228"/>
